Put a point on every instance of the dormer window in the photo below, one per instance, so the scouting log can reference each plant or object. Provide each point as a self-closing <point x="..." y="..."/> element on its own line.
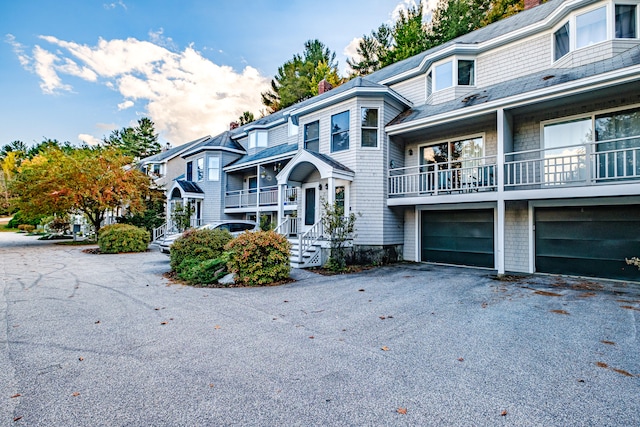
<point x="626" y="16"/>
<point x="561" y="45"/>
<point x="591" y="27"/>
<point x="458" y="70"/>
<point x="259" y="138"/>
<point x="586" y="28"/>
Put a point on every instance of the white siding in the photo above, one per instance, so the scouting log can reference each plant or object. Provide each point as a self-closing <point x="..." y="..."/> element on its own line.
<point x="597" y="52"/>
<point x="514" y="60"/>
<point x="516" y="243"/>
<point x="413" y="89"/>
<point x="410" y="231"/>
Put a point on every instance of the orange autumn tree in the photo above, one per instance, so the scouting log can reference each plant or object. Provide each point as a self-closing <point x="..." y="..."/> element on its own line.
<point x="83" y="180"/>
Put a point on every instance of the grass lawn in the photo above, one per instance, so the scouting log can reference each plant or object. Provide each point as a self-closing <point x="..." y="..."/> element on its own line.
<point x="3" y="224"/>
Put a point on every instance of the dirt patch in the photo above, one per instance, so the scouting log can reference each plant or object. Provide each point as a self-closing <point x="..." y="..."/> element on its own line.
<point x="547" y="294"/>
<point x="349" y="270"/>
<point x="172" y="277"/>
<point x="587" y="295"/>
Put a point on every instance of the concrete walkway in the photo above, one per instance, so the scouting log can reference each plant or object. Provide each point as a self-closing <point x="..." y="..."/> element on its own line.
<point x="105" y="340"/>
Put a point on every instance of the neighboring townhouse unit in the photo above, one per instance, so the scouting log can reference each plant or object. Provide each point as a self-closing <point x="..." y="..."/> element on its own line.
<point x="515" y="147"/>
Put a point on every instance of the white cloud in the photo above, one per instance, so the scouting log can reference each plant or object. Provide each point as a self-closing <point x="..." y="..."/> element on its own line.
<point x="113" y="5"/>
<point x="157" y="37"/>
<point x="18" y="49"/>
<point x="126" y="104"/>
<point x="351" y="50"/>
<point x="185" y="94"/>
<point x="404" y="5"/>
<point x="44" y="67"/>
<point x="89" y="139"/>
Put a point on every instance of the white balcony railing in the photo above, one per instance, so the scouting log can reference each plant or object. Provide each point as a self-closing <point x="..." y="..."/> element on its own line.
<point x="575" y="165"/>
<point x="267" y="196"/>
<point x="466" y="175"/>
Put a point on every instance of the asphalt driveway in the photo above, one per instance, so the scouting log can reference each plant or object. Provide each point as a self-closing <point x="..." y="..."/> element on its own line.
<point x="105" y="340"/>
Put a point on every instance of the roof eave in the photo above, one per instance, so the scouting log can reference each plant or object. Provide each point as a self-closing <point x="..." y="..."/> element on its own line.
<point x="615" y="77"/>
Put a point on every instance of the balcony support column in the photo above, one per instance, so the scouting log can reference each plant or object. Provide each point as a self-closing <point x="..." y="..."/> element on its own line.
<point x="282" y="188"/>
<point x="505" y="145"/>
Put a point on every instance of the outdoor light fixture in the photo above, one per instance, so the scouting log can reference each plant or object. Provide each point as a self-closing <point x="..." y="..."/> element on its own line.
<point x="410" y="152"/>
<point x="320" y="187"/>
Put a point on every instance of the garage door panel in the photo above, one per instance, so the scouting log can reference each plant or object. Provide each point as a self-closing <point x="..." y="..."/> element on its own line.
<point x="588" y="240"/>
<point x="458" y="237"/>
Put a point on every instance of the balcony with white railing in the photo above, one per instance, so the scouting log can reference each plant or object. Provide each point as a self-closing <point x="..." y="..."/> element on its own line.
<point x="613" y="161"/>
<point x="264" y="197"/>
<point x="446" y="178"/>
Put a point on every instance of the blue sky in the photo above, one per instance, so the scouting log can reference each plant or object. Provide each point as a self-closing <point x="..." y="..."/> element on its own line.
<point x="76" y="70"/>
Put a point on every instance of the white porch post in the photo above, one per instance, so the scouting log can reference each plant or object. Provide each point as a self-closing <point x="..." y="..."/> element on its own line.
<point x="259" y="181"/>
<point x="331" y="192"/>
<point x="281" y="194"/>
<point x="505" y="144"/>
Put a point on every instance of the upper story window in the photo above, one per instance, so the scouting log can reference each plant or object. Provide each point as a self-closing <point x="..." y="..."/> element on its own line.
<point x="213" y="169"/>
<point x="456" y="71"/>
<point x="200" y="169"/>
<point x="292" y="128"/>
<point x="155" y="170"/>
<point x="444" y="76"/>
<point x="591" y="27"/>
<point x="626" y="18"/>
<point x="312" y="136"/>
<point x="561" y="42"/>
<point x="369" y="127"/>
<point x="189" y="171"/>
<point x="340" y="132"/>
<point x="259" y="138"/>
<point x="607" y="22"/>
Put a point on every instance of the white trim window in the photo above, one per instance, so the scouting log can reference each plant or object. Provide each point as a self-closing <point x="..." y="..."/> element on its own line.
<point x="213" y="168"/>
<point x="626" y="21"/>
<point x="312" y="136"/>
<point x="340" y="131"/>
<point x="607" y="21"/>
<point x="456" y="71"/>
<point x="369" y="127"/>
<point x="258" y="138"/>
<point x="292" y="128"/>
<point x="200" y="169"/>
<point x="591" y="27"/>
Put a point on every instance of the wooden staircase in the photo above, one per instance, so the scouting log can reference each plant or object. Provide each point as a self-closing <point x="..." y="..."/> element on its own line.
<point x="306" y="247"/>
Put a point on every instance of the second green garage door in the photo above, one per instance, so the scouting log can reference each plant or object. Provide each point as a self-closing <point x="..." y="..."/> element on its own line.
<point x="588" y="240"/>
<point x="463" y="237"/>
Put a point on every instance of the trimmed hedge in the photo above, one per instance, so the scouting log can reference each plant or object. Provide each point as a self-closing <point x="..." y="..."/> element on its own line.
<point x="195" y="246"/>
<point x="259" y="258"/>
<point x="120" y="238"/>
<point x="203" y="272"/>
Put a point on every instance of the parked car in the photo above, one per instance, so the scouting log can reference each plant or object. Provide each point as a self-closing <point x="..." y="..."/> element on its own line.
<point x="235" y="227"/>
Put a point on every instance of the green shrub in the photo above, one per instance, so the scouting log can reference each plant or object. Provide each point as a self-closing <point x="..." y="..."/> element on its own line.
<point x="19" y="218"/>
<point x="197" y="245"/>
<point x="119" y="238"/>
<point x="203" y="272"/>
<point x="259" y="258"/>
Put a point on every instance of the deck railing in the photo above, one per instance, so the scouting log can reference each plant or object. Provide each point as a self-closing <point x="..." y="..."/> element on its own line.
<point x="574" y="165"/>
<point x="467" y="175"/>
<point x="267" y="196"/>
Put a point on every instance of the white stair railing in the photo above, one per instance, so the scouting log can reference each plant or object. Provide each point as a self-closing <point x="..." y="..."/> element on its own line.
<point x="309" y="238"/>
<point x="159" y="232"/>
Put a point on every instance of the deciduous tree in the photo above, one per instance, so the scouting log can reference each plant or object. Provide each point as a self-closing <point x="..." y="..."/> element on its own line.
<point x="85" y="180"/>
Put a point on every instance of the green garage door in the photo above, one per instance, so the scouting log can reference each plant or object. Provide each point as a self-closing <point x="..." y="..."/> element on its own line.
<point x="588" y="240"/>
<point x="463" y="237"/>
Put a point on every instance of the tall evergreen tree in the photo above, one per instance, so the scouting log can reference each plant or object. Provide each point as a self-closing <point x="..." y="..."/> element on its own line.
<point x="138" y="142"/>
<point x="298" y="78"/>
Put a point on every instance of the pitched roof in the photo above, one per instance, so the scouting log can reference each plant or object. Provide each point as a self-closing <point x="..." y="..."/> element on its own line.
<point x="328" y="160"/>
<point x="189" y="186"/>
<point x="172" y="152"/>
<point x="489" y="32"/>
<point x="277" y="150"/>
<point x="221" y="141"/>
<point x="543" y="79"/>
